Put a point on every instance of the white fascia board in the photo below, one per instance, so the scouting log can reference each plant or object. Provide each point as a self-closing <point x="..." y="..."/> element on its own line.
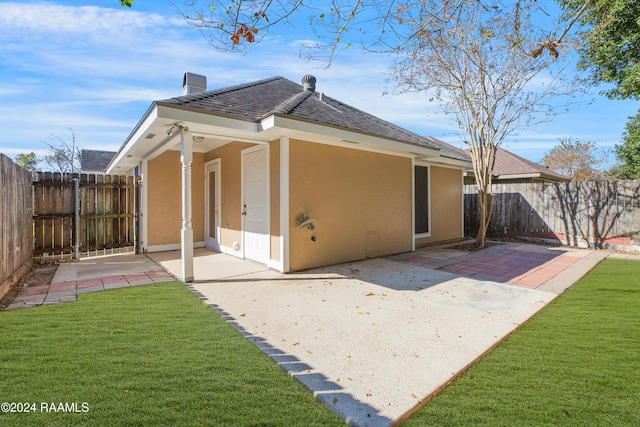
<point x="170" y="112"/>
<point x="268" y="123"/>
<point x="518" y="175"/>
<point x="167" y="113"/>
<point x="448" y="162"/>
<point x="350" y="137"/>
<point x="138" y="132"/>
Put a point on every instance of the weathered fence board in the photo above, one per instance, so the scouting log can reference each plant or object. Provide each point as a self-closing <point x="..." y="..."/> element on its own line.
<point x="16" y="234"/>
<point x="594" y="213"/>
<point x="106" y="216"/>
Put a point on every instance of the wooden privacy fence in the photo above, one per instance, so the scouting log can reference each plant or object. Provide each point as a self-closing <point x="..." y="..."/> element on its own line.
<point x="82" y="213"/>
<point x="602" y="214"/>
<point x="16" y="250"/>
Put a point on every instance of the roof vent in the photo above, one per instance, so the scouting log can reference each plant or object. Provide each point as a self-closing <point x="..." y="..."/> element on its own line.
<point x="309" y="83"/>
<point x="193" y="83"/>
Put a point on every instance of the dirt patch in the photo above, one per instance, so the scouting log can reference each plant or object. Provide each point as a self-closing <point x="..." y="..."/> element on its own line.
<point x="470" y="245"/>
<point x="41" y="274"/>
<point x="467" y="247"/>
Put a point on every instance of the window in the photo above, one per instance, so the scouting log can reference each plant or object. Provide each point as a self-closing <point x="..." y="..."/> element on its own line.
<point x="422" y="199"/>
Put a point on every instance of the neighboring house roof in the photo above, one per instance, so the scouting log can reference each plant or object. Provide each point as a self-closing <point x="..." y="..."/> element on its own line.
<point x="95" y="160"/>
<point x="262" y="110"/>
<point x="511" y="166"/>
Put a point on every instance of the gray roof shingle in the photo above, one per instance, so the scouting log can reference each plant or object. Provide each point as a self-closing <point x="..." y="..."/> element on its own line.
<point x="508" y="163"/>
<point x="95" y="160"/>
<point x="258" y="100"/>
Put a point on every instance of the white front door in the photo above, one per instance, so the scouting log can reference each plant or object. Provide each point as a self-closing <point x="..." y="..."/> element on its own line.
<point x="255" y="203"/>
<point x="212" y="204"/>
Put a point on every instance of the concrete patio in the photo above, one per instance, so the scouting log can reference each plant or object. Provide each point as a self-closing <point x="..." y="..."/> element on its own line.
<point x="376" y="339"/>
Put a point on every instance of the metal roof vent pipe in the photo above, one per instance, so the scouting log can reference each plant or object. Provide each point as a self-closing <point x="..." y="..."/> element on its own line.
<point x="193" y="83"/>
<point x="309" y="83"/>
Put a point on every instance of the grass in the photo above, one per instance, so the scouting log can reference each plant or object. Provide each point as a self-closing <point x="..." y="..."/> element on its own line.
<point x="150" y="355"/>
<point x="577" y="363"/>
<point x="156" y="355"/>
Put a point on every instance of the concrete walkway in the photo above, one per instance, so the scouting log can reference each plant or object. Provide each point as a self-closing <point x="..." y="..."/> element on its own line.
<point x="376" y="339"/>
<point x="90" y="275"/>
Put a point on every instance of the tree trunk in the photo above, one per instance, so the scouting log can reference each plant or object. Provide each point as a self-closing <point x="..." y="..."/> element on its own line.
<point x="485" y="202"/>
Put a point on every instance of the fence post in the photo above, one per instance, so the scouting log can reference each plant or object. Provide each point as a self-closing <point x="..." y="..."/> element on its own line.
<point x="76" y="228"/>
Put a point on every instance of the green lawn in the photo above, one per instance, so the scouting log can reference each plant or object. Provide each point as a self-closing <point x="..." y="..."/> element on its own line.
<point x="156" y="355"/>
<point x="577" y="363"/>
<point x="144" y="356"/>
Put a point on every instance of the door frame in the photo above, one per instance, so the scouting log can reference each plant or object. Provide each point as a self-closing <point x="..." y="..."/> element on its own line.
<point x="212" y="166"/>
<point x="268" y="196"/>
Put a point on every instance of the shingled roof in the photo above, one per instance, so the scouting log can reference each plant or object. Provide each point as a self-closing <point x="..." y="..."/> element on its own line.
<point x="258" y="100"/>
<point x="509" y="165"/>
<point x="95" y="160"/>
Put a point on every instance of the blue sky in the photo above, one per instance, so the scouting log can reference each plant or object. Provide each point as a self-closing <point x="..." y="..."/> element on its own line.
<point x="95" y="67"/>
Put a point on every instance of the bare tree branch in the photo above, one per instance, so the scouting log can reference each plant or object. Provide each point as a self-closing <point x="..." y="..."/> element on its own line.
<point x="476" y="62"/>
<point x="62" y="156"/>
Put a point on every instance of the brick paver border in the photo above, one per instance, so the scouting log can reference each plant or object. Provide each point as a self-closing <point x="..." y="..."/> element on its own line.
<point x="68" y="291"/>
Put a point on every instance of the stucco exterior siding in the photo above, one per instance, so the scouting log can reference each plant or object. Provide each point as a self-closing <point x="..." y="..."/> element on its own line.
<point x="446" y="206"/>
<point x="164" y="198"/>
<point x="361" y="203"/>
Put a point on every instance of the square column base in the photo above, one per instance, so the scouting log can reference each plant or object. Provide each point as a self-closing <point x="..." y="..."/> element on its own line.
<point x="186" y="250"/>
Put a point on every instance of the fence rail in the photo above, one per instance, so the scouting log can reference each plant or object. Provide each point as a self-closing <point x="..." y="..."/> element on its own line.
<point x="16" y="249"/>
<point x="603" y="214"/>
<point x="82" y="213"/>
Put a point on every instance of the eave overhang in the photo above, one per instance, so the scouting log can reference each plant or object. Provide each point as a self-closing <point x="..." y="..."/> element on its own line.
<point x="151" y="136"/>
<point x="311" y="130"/>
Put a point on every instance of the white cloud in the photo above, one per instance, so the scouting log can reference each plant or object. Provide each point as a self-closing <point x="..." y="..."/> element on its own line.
<point x="56" y="19"/>
<point x="97" y="69"/>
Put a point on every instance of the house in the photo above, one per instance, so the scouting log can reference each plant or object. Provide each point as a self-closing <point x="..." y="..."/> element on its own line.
<point x="511" y="168"/>
<point x="280" y="173"/>
<point x="95" y="161"/>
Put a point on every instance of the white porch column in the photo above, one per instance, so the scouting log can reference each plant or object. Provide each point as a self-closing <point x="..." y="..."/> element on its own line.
<point x="284" y="203"/>
<point x="186" y="241"/>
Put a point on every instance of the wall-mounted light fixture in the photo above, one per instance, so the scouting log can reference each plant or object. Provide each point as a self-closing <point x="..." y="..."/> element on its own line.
<point x="175" y="128"/>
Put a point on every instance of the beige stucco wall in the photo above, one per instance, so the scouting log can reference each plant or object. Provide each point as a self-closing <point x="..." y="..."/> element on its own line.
<point x="361" y="201"/>
<point x="163" y="179"/>
<point x="446" y="206"/>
